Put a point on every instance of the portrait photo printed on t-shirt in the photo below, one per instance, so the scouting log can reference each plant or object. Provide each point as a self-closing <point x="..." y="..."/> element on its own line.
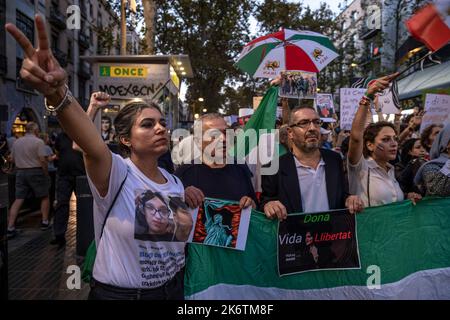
<point x="154" y="218"/>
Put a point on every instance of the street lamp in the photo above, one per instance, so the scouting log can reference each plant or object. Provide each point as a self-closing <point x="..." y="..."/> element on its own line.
<point x="200" y="100"/>
<point x="205" y="110"/>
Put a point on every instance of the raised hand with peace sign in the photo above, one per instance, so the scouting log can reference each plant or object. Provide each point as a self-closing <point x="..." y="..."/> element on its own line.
<point x="39" y="67"/>
<point x="42" y="72"/>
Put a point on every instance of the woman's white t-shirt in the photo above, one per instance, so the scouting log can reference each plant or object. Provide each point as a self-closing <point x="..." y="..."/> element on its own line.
<point x="123" y="260"/>
<point x="383" y="186"/>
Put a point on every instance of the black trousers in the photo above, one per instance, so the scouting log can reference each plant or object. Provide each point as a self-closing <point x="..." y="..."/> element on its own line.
<point x="65" y="185"/>
<point x="52" y="192"/>
<point x="171" y="290"/>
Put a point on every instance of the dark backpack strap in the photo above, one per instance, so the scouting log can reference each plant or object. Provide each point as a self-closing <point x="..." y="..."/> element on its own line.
<point x="112" y="205"/>
<point x="175" y="178"/>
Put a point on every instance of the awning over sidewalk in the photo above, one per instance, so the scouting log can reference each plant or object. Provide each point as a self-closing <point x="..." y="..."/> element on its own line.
<point x="437" y="76"/>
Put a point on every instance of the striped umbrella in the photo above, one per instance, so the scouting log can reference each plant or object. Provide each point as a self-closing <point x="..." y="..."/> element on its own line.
<point x="267" y="56"/>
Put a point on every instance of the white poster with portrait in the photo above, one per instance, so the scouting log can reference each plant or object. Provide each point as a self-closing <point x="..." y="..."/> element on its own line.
<point x="325" y="106"/>
<point x="437" y="110"/>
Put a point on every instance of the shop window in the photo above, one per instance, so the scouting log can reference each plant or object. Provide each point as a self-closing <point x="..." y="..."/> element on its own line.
<point x="18" y="126"/>
<point x="26" y="25"/>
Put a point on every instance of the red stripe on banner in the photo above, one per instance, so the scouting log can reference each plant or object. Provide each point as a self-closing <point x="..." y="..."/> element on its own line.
<point x="297" y="59"/>
<point x="263" y="54"/>
<point x="427" y="26"/>
<point x="278" y="35"/>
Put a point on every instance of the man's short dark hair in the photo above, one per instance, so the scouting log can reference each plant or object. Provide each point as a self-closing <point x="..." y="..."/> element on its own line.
<point x="293" y="111"/>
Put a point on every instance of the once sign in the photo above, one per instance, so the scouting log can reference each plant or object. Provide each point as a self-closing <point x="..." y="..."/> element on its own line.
<point x="131" y="81"/>
<point x="123" y="71"/>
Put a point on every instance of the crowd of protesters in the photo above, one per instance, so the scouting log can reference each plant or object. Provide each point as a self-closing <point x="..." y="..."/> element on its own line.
<point x="324" y="168"/>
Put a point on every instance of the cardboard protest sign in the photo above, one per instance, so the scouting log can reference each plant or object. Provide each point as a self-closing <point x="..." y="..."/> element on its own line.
<point x="349" y="102"/>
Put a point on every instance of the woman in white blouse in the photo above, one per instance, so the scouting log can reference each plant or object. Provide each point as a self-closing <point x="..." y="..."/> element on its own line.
<point x="370" y="174"/>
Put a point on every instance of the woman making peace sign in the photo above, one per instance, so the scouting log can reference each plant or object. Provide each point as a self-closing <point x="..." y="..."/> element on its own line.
<point x="121" y="269"/>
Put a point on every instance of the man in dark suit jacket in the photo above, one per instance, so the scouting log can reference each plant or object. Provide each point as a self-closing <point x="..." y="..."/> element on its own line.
<point x="319" y="171"/>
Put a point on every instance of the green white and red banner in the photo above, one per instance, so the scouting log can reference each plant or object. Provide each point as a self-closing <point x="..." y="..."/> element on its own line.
<point x="404" y="253"/>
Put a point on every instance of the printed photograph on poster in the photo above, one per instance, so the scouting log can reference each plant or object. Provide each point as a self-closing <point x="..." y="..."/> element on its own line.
<point x="437" y="110"/>
<point x="325" y="106"/>
<point x="384" y="102"/>
<point x="221" y="223"/>
<point x="298" y="85"/>
<point x="317" y="241"/>
<point x="160" y="219"/>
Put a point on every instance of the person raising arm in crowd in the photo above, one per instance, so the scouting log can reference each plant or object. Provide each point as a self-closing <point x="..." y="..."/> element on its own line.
<point x="370" y="174"/>
<point x="142" y="133"/>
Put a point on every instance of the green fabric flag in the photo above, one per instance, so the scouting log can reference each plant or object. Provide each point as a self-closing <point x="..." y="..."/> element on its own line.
<point x="263" y="118"/>
<point x="406" y="247"/>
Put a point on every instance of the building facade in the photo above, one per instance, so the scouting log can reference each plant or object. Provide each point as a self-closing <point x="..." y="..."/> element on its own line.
<point x="359" y="40"/>
<point x="374" y="41"/>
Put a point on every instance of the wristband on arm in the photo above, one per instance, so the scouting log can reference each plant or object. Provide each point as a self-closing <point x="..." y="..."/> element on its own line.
<point x="369" y="96"/>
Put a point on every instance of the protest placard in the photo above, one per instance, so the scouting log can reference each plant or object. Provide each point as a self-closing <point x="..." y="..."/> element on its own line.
<point x="298" y="85"/>
<point x="437" y="110"/>
<point x="221" y="223"/>
<point x="325" y="106"/>
<point x="317" y="241"/>
<point x="349" y="101"/>
<point x="385" y="102"/>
